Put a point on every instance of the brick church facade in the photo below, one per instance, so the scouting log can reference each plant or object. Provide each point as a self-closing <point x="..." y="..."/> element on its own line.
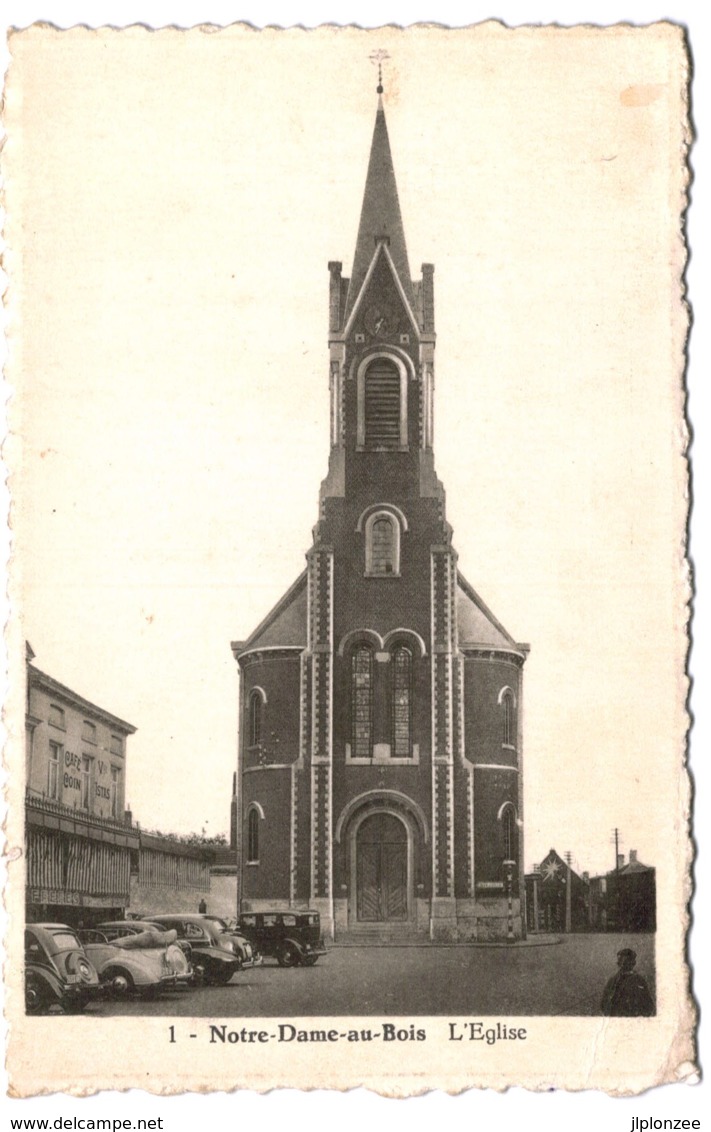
<point x="380" y="760"/>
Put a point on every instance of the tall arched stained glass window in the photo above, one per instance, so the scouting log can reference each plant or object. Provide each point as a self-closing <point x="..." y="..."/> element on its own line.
<point x="402" y="703"/>
<point x="253" y="835"/>
<point x="255" y="719"/>
<point x="507" y="705"/>
<point x="362" y="702"/>
<point x="509" y="823"/>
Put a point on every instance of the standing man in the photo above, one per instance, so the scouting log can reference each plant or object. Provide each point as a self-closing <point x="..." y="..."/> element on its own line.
<point x="627" y="994"/>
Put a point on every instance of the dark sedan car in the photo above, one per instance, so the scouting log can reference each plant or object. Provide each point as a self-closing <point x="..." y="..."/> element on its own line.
<point x="292" y="937"/>
<point x="215" y="956"/>
<point x="58" y="973"/>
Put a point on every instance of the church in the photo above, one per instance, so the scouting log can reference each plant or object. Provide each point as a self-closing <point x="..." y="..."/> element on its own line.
<point x="380" y="755"/>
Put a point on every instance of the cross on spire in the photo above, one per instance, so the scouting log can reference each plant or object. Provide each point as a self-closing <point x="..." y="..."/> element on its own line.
<point x="379" y="57"/>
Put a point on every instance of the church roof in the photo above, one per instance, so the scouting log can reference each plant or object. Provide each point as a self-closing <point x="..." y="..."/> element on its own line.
<point x="380" y="217"/>
<point x="285" y="625"/>
<point x="478" y="628"/>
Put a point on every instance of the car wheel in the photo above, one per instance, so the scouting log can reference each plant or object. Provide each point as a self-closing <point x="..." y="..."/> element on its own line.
<point x="220" y="978"/>
<point x="36" y="996"/>
<point x="288" y="956"/>
<point x="114" y="972"/>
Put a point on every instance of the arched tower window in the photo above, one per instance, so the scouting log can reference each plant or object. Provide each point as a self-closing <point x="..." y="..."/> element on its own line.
<point x="402" y="702"/>
<point x="508" y="821"/>
<point x="362" y="702"/>
<point x="508" y="722"/>
<point x="255" y="718"/>
<point x="382" y="552"/>
<point x="382" y="405"/>
<point x="253" y="835"/>
<point x="383" y="529"/>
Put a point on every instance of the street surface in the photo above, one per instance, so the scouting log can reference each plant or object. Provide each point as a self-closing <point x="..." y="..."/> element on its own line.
<point x="565" y="978"/>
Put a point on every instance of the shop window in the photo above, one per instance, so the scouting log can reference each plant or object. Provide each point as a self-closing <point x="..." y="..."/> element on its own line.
<point x="362" y="702"/>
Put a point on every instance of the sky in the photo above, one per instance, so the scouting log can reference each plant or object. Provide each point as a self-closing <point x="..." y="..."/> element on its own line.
<point x="179" y="205"/>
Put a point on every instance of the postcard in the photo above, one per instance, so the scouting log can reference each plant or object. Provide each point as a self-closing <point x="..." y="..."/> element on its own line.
<point x="349" y="592"/>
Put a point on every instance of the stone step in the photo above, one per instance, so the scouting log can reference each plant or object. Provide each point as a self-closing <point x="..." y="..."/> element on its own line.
<point x="379" y="936"/>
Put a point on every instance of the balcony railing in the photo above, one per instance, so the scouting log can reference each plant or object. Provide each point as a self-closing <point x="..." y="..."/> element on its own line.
<point x="50" y="806"/>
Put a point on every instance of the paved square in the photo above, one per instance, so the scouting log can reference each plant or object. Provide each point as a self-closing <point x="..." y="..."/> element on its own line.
<point x="556" y="978"/>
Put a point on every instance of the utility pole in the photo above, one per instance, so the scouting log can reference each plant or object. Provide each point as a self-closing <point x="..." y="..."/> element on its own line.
<point x="568" y="886"/>
<point x="616" y="902"/>
<point x="508" y="873"/>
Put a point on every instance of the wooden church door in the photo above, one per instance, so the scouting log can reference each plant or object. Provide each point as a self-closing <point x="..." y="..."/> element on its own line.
<point x="381" y="869"/>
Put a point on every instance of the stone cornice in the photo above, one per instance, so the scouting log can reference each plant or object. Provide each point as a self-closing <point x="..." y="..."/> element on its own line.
<point x="482" y="652"/>
<point x="37" y="679"/>
<point x="270" y="652"/>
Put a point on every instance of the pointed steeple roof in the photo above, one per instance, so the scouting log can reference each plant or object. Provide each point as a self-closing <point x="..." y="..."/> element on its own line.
<point x="380" y="216"/>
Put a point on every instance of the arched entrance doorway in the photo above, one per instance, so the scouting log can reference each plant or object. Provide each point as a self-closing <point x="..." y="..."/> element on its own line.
<point x="382" y="869"/>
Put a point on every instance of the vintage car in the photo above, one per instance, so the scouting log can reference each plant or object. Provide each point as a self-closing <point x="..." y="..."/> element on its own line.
<point x="292" y="937"/>
<point x="147" y="961"/>
<point x="215" y="955"/>
<point x="115" y="930"/>
<point x="58" y="974"/>
<point x="249" y="954"/>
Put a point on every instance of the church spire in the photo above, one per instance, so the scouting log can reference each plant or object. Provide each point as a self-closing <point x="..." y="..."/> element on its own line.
<point x="380" y="217"/>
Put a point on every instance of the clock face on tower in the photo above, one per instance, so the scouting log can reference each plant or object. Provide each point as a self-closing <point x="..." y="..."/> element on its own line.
<point x="379" y="321"/>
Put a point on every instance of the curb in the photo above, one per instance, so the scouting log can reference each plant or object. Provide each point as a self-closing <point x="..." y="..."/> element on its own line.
<point x="517" y="945"/>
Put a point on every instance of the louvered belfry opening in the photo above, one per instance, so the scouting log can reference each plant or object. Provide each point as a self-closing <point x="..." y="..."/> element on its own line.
<point x="382" y="405"/>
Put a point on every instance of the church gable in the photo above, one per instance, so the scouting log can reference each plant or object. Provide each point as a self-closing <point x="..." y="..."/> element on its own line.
<point x="477" y="624"/>
<point x="285" y="625"/>
<point x="381" y="313"/>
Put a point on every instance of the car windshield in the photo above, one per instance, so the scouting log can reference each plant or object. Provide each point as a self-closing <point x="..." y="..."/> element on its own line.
<point x="220" y="923"/>
<point x="66" y="941"/>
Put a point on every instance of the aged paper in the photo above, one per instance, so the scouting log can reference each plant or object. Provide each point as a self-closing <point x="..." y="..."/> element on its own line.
<point x="174" y="199"/>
